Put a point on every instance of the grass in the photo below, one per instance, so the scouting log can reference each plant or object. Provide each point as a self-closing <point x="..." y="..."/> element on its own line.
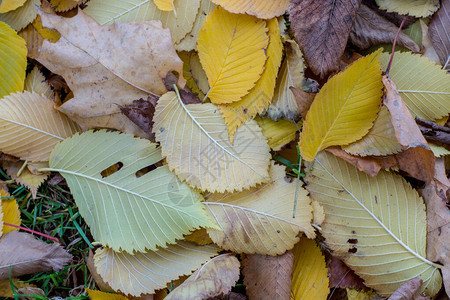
<point x="54" y="213"/>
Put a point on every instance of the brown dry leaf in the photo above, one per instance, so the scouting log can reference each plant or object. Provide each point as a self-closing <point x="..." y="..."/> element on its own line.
<point x="27" y="255"/>
<point x="26" y="177"/>
<point x="101" y="284"/>
<point x="304" y="100"/>
<point x="321" y="28"/>
<point x="409" y="291"/>
<point x="428" y="50"/>
<point x="141" y="112"/>
<point x="215" y="277"/>
<point x="439" y="32"/>
<point x="342" y="276"/>
<point x="370" y="29"/>
<point x="33" y="40"/>
<point x="108" y="65"/>
<point x="268" y="277"/>
<point x="368" y="164"/>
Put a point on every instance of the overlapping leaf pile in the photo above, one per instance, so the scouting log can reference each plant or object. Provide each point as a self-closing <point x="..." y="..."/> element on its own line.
<point x="214" y="93"/>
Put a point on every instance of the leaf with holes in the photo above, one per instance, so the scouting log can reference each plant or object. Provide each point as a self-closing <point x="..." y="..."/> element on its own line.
<point x="377" y="225"/>
<point x="124" y="211"/>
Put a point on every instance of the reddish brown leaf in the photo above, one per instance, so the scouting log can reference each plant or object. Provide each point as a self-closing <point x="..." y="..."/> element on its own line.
<point x="140" y="112"/>
<point x="304" y="100"/>
<point x="439" y="31"/>
<point x="27" y="255"/>
<point x="321" y="29"/>
<point x="371" y="29"/>
<point x="268" y="277"/>
<point x="367" y="164"/>
<point x="409" y="291"/>
<point x="342" y="276"/>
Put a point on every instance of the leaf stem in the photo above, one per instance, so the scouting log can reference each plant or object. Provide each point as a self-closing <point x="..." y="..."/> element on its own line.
<point x="393" y="46"/>
<point x="33" y="231"/>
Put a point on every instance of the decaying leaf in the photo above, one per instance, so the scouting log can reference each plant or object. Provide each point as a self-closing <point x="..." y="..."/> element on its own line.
<point x="22" y="16"/>
<point x="259" y="98"/>
<point x="342" y="276"/>
<point x="376" y="225"/>
<point x="231" y="50"/>
<point x="12" y="50"/>
<point x="417" y="8"/>
<point x="195" y="142"/>
<point x="96" y="63"/>
<point x="134" y="216"/>
<point x="6" y="289"/>
<point x="141" y="113"/>
<point x="101" y="284"/>
<point x="423" y="85"/>
<point x="21" y="253"/>
<point x="439" y="32"/>
<point x="290" y="75"/>
<point x="31" y="127"/>
<point x="244" y="217"/>
<point x="118" y="11"/>
<point x="140" y="273"/>
<point x="344" y="109"/>
<point x="303" y="99"/>
<point x="321" y="29"/>
<point x="409" y="291"/>
<point x="10" y="211"/>
<point x="310" y="275"/>
<point x="381" y="139"/>
<point x="259" y="8"/>
<point x="215" y="277"/>
<point x="278" y="133"/>
<point x="268" y="277"/>
<point x="370" y="29"/>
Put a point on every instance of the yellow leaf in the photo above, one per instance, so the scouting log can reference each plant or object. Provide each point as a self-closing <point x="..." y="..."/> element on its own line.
<point x="139" y="273"/>
<point x="99" y="295"/>
<point x="215" y="277"/>
<point x="52" y="35"/>
<point x="353" y="294"/>
<point x="189" y="42"/>
<point x="423" y="85"/>
<point x="278" y="133"/>
<point x="39" y="125"/>
<point x="35" y="82"/>
<point x="416" y="8"/>
<point x="6" y="290"/>
<point x="194" y="74"/>
<point x="284" y="104"/>
<point x="200" y="237"/>
<point x="65" y="5"/>
<point x="166" y="5"/>
<point x="310" y="274"/>
<point x="345" y="108"/>
<point x="8" y="5"/>
<point x="119" y="11"/>
<point x="21" y="17"/>
<point x="231" y="50"/>
<point x="376" y="225"/>
<point x="262" y="9"/>
<point x="260" y="220"/>
<point x="438" y="151"/>
<point x="26" y="177"/>
<point x="11" y="213"/>
<point x="259" y="98"/>
<point x="380" y="140"/>
<point x="197" y="148"/>
<point x="13" y="51"/>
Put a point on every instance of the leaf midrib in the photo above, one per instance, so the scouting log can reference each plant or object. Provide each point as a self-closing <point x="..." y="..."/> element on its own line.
<point x="32" y="128"/>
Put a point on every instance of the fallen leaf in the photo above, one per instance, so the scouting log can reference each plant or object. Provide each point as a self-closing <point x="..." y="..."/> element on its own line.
<point x="13" y="50"/>
<point x="291" y="75"/>
<point x="215" y="277"/>
<point x="310" y="275"/>
<point x="140" y="213"/>
<point x="422" y="84"/>
<point x="140" y="273"/>
<point x="260" y="96"/>
<point x="22" y="16"/>
<point x="414" y="31"/>
<point x="10" y="211"/>
<point x="353" y="294"/>
<point x="8" y="5"/>
<point x="345" y="107"/>
<point x="439" y="32"/>
<point x="417" y="8"/>
<point x="278" y="133"/>
<point x="35" y="82"/>
<point x="6" y="289"/>
<point x="342" y="276"/>
<point x="368" y="164"/>
<point x="165" y="5"/>
<point x="259" y="8"/>
<point x="409" y="291"/>
<point x="322" y="29"/>
<point x="438" y="151"/>
<point x="117" y="11"/>
<point x="303" y="99"/>
<point x="428" y="50"/>
<point x="21" y="253"/>
<point x="268" y="277"/>
<point x="101" y="284"/>
<point x="98" y="295"/>
<point x="392" y="16"/>
<point x="65" y="5"/>
<point x="141" y="112"/>
<point x="194" y="74"/>
<point x="196" y="145"/>
<point x="370" y="29"/>
<point x="260" y="220"/>
<point x="391" y="252"/>
<point x="240" y="42"/>
<point x="40" y="126"/>
<point x="200" y="237"/>
<point x="97" y="65"/>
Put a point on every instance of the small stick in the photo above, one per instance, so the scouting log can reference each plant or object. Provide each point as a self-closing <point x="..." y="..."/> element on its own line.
<point x="33" y="231"/>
